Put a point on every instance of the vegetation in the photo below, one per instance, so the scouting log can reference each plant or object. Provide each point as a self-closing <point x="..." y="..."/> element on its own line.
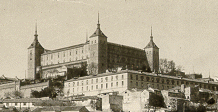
<point x="169" y="67"/>
<point x="46" y="92"/>
<point x="96" y="104"/>
<point x="14" y="94"/>
<point x="194" y="107"/>
<point x="77" y="72"/>
<point x="55" y="103"/>
<point x="156" y="100"/>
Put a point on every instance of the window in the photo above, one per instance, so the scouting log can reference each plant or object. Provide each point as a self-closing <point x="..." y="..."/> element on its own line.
<point x="95" y="41"/>
<point x="73" y="89"/>
<point x="116" y="77"/>
<point x="142" y="78"/>
<point x="117" y="83"/>
<point x="96" y="80"/>
<point x="142" y="84"/>
<point x="87" y="88"/>
<point x="147" y="79"/>
<point x="162" y="80"/>
<point x="168" y="81"/>
<point x="31" y="55"/>
<point x="122" y="77"/>
<point x="58" y="55"/>
<point x="15" y="104"/>
<point x="87" y="82"/>
<point x="172" y="82"/>
<point x="136" y="83"/>
<point x="82" y="83"/>
<point x="122" y="83"/>
<point x="77" y="83"/>
<point x="136" y="77"/>
<point x="112" y="84"/>
<point x="82" y="51"/>
<point x="106" y="78"/>
<point x="106" y="85"/>
<point x="76" y="52"/>
<point x="82" y="88"/>
<point x="111" y="78"/>
<point x="101" y="86"/>
<point x="158" y="80"/>
<point x="92" y="87"/>
<point x="96" y="86"/>
<point x="92" y="81"/>
<point x="70" y="53"/>
<point x="64" y="54"/>
<point x="131" y="77"/>
<point x="101" y="79"/>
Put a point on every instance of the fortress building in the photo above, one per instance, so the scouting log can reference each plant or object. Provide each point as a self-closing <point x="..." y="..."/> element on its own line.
<point x="97" y="53"/>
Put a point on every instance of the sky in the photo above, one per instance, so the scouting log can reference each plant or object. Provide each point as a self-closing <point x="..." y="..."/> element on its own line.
<point x="184" y="30"/>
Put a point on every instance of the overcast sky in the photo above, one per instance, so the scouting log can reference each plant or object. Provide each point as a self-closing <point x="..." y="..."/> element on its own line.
<point x="184" y="30"/>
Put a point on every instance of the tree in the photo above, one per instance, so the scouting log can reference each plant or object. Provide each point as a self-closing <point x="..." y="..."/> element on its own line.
<point x="46" y="92"/>
<point x="156" y="100"/>
<point x="17" y="94"/>
<point x="7" y="94"/>
<point x="77" y="72"/>
<point x="14" y="94"/>
<point x="169" y="67"/>
<point x="96" y="104"/>
<point x="194" y="107"/>
<point x="35" y="94"/>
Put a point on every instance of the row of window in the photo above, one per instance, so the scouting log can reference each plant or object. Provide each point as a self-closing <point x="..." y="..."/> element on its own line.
<point x="105" y="79"/>
<point x="125" y="50"/>
<point x="94" y="42"/>
<point x="146" y="85"/>
<point x="169" y="81"/>
<point x="64" y="61"/>
<point x="96" y="87"/>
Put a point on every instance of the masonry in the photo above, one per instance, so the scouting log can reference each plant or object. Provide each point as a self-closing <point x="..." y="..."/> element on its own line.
<point x="96" y="52"/>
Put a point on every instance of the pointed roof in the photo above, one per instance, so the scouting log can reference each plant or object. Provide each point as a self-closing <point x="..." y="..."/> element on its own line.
<point x="98" y="31"/>
<point x="151" y="44"/>
<point x="35" y="42"/>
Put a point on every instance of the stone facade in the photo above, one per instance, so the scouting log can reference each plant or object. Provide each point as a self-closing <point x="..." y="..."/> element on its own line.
<point x="99" y="55"/>
<point x="25" y="90"/>
<point x="126" y="80"/>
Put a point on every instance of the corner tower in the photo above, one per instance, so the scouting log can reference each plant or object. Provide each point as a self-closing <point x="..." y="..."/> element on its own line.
<point x="152" y="54"/>
<point x="34" y="57"/>
<point x="98" y="52"/>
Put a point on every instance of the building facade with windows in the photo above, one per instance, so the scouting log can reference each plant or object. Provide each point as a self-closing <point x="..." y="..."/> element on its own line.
<point x="127" y="80"/>
<point x="97" y="53"/>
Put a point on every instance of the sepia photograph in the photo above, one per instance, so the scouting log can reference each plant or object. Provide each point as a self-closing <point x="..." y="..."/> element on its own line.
<point x="108" y="56"/>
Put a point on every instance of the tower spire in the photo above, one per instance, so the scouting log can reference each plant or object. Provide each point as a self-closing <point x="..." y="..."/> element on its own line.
<point x="36" y="35"/>
<point x="86" y="35"/>
<point x="98" y="17"/>
<point x="151" y="34"/>
<point x="98" y="25"/>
